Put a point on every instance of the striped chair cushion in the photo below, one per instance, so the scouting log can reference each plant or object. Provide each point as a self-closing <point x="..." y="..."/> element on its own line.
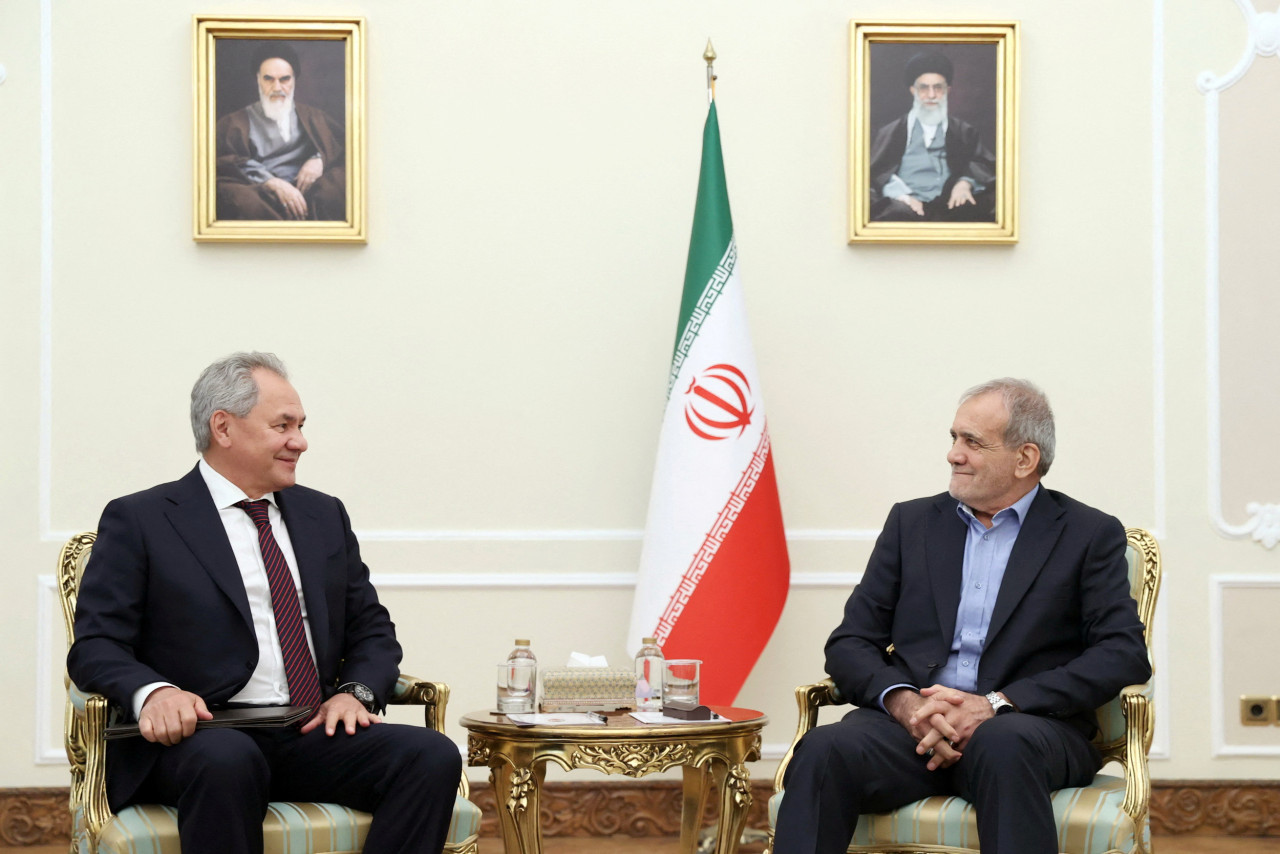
<point x="289" y="828"/>
<point x="1090" y="821"/>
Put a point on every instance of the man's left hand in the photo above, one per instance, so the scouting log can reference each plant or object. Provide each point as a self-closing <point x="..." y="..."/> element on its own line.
<point x="309" y="174"/>
<point x="342" y="708"/>
<point x="963" y="711"/>
<point x="961" y="194"/>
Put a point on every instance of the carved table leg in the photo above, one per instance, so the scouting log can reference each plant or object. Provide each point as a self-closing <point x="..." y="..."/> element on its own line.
<point x="696" y="784"/>
<point x="518" y="791"/>
<point x="733" y="786"/>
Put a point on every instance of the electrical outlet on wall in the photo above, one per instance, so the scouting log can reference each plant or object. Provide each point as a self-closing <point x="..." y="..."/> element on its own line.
<point x="1257" y="710"/>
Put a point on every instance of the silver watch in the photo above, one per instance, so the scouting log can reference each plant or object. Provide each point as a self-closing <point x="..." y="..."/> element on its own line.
<point x="999" y="705"/>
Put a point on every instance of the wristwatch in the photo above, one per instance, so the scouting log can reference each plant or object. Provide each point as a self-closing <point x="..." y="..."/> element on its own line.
<point x="999" y="704"/>
<point x="361" y="693"/>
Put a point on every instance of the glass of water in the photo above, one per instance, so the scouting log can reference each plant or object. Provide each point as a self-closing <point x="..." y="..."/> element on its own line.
<point x="516" y="685"/>
<point x="680" y="678"/>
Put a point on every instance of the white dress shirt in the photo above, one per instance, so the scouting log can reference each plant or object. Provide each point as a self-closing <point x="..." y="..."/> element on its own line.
<point x="268" y="685"/>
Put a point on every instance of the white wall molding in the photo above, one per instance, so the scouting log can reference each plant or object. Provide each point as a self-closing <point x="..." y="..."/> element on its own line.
<point x="1262" y="38"/>
<point x="541" y="535"/>
<point x="48" y="744"/>
<point x="1218" y="704"/>
<point x="45" y="451"/>
<point x="581" y="580"/>
<point x="1158" y="398"/>
<point x="1163" y="700"/>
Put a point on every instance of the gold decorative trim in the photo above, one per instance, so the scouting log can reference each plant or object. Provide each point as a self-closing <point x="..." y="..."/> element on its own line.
<point x="521" y="784"/>
<point x="477" y="751"/>
<point x="740" y="785"/>
<point x="633" y="760"/>
<point x="641" y="808"/>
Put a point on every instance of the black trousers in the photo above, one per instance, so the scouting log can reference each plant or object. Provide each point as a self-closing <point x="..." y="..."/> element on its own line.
<point x="221" y="780"/>
<point x="867" y="763"/>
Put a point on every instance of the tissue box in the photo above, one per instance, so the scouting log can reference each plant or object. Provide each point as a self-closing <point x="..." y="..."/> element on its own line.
<point x="588" y="689"/>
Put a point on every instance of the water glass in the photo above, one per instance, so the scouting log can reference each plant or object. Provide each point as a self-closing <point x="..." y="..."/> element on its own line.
<point x="680" y="678"/>
<point x="516" y="683"/>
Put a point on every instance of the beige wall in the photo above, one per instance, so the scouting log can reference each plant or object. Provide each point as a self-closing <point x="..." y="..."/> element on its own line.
<point x="484" y="379"/>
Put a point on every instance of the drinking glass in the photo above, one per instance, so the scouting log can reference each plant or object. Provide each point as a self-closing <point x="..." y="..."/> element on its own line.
<point x="680" y="677"/>
<point x="515" y="685"/>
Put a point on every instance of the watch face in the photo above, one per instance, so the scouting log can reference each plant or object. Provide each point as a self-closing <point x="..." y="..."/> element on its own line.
<point x="361" y="693"/>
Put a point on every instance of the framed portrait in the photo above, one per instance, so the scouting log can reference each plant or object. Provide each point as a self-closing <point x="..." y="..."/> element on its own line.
<point x="279" y="129"/>
<point x="933" y="132"/>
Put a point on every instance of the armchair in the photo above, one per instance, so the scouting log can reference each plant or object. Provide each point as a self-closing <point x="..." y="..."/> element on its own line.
<point x="289" y="828"/>
<point x="1109" y="816"/>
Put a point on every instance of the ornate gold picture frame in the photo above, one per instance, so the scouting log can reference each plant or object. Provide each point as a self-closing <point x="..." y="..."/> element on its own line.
<point x="280" y="129"/>
<point x="933" y="140"/>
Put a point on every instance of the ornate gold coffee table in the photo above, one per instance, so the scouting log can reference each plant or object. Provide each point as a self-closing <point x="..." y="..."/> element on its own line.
<point x="712" y="754"/>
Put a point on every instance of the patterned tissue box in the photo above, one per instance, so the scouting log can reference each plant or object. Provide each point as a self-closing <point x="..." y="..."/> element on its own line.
<point x="588" y="689"/>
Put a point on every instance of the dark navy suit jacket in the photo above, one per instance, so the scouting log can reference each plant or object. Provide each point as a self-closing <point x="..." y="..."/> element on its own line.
<point x="1064" y="636"/>
<point x="162" y="600"/>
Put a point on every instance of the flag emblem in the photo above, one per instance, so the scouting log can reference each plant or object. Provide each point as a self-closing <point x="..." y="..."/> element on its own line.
<point x="718" y="403"/>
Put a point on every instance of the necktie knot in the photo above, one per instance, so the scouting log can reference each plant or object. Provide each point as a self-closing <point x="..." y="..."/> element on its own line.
<point x="257" y="510"/>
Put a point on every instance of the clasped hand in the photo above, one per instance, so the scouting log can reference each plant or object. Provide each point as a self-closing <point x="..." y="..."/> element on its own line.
<point x="169" y="715"/>
<point x="941" y="719"/>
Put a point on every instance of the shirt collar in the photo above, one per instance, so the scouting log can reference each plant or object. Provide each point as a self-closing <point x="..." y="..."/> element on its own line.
<point x="225" y="493"/>
<point x="1019" y="508"/>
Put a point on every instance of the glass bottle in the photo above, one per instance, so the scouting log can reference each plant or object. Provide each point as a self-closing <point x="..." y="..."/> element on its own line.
<point x="649" y="676"/>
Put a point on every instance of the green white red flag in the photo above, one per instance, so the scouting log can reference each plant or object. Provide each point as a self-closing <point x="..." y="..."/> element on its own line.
<point x="714" y="571"/>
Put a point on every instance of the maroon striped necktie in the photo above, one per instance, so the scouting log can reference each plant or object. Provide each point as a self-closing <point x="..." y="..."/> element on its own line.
<point x="299" y="667"/>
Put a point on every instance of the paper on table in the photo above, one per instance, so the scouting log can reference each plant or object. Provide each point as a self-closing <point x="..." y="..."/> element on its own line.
<point x="660" y="718"/>
<point x="561" y="719"/>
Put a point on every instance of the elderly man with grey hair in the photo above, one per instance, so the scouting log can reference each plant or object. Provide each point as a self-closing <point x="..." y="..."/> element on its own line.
<point x="990" y="622"/>
<point x="235" y="587"/>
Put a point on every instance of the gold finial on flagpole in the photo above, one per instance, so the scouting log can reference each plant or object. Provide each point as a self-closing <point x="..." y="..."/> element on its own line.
<point x="710" y="56"/>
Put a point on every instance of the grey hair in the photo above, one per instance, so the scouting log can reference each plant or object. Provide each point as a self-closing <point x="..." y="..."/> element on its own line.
<point x="228" y="384"/>
<point x="1030" y="416"/>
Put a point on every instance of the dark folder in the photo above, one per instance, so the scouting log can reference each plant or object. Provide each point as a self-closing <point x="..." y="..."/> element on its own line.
<point x="264" y="716"/>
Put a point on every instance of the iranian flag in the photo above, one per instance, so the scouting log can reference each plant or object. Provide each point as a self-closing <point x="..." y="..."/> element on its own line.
<point x="714" y="571"/>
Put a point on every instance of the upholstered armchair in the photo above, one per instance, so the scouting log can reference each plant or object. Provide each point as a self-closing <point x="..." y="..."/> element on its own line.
<point x="289" y="828"/>
<point x="1109" y="816"/>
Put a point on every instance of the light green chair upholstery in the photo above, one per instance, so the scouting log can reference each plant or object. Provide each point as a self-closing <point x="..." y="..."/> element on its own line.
<point x="1110" y="816"/>
<point x="289" y="828"/>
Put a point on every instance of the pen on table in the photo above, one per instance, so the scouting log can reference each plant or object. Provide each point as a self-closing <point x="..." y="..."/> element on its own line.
<point x="596" y="716"/>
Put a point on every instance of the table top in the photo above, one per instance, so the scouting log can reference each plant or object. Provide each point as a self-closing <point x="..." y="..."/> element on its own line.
<point x="617" y="725"/>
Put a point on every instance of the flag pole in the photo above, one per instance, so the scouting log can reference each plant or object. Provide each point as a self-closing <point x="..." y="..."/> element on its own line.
<point x="710" y="56"/>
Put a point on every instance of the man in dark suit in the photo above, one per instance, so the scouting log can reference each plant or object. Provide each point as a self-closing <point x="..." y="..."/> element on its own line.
<point x="234" y="587"/>
<point x="990" y="623"/>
